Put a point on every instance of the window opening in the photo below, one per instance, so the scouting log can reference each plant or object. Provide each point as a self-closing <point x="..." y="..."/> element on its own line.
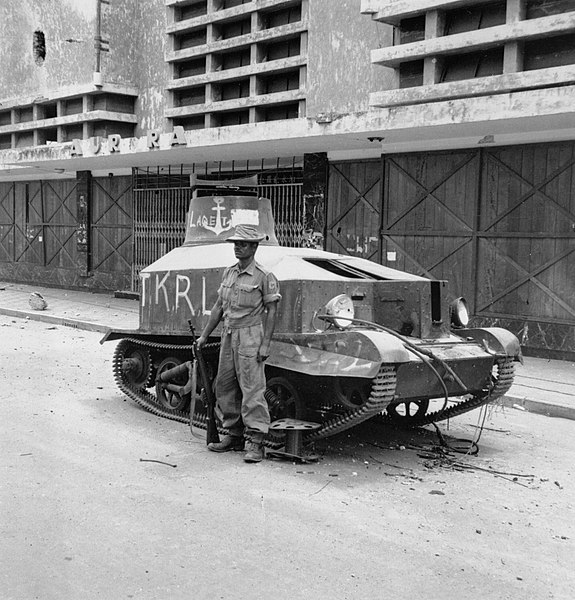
<point x="39" y="47"/>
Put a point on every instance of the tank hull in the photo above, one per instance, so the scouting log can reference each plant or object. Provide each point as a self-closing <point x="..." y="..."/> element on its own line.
<point x="398" y="350"/>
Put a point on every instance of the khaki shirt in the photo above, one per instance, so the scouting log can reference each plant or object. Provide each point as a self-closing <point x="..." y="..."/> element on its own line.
<point x="244" y="294"/>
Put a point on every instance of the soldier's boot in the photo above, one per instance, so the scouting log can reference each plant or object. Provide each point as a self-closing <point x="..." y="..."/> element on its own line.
<point x="254" y="452"/>
<point x="227" y="444"/>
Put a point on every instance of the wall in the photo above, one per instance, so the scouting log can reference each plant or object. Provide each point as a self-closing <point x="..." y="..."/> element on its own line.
<point x="135" y="30"/>
<point x="66" y="63"/>
<point x="137" y="33"/>
<point x="340" y="73"/>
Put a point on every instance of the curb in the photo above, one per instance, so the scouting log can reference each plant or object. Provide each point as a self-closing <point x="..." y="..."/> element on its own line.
<point x="64" y="321"/>
<point x="538" y="407"/>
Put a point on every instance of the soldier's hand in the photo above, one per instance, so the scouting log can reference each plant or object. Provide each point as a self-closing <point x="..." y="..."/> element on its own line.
<point x="201" y="342"/>
<point x="263" y="353"/>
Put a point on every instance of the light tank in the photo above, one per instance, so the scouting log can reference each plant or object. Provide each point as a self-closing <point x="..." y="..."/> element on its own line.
<point x="353" y="339"/>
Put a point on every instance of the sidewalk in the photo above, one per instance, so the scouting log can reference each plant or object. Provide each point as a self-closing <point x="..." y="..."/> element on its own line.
<point x="79" y="309"/>
<point x="541" y="386"/>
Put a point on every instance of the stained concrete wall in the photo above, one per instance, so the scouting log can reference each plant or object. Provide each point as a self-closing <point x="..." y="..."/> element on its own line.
<point x="135" y="30"/>
<point x="137" y="33"/>
<point x="340" y="73"/>
<point x="66" y="63"/>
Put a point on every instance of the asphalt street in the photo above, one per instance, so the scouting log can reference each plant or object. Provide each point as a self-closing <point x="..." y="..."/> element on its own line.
<point x="101" y="499"/>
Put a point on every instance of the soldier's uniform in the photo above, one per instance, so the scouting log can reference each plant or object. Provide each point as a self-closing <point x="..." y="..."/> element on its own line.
<point x="240" y="382"/>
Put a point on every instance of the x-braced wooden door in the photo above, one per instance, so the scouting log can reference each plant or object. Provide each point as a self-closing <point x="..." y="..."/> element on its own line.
<point x="526" y="239"/>
<point x="354" y="209"/>
<point x="429" y="216"/>
<point x="111" y="232"/>
<point x="7" y="223"/>
<point x="37" y="226"/>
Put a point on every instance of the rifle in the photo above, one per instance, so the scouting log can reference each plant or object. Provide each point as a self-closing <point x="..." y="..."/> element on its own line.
<point x="212" y="428"/>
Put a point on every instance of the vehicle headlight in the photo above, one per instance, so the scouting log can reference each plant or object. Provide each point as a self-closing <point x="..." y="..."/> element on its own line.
<point x="459" y="312"/>
<point x="340" y="306"/>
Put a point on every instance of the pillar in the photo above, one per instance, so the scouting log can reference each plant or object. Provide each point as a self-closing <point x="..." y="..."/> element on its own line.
<point x="83" y="209"/>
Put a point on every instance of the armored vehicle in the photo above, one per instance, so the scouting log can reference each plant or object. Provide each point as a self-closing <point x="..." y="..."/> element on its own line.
<point x="353" y="339"/>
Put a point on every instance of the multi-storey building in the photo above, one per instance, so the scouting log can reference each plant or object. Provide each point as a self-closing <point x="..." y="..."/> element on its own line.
<point x="435" y="136"/>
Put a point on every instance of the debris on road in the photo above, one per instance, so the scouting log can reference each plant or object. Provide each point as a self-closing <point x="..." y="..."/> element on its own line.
<point x="161" y="462"/>
<point x="37" y="302"/>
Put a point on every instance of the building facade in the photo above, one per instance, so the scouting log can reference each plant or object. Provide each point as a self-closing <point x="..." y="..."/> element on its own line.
<point x="434" y="136"/>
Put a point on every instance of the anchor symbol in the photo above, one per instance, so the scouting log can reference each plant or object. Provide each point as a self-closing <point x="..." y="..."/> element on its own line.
<point x="218" y="228"/>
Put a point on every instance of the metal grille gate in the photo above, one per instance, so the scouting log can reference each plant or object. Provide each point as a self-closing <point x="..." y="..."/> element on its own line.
<point x="159" y="225"/>
<point x="288" y="211"/>
<point x="161" y="201"/>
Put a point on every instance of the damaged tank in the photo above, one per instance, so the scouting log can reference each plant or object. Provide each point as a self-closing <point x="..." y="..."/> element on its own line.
<point x="353" y="339"/>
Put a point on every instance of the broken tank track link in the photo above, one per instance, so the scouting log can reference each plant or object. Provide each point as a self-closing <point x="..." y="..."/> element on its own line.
<point x="501" y="385"/>
<point x="382" y="393"/>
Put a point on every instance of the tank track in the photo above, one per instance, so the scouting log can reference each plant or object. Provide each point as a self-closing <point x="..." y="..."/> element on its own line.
<point x="382" y="393"/>
<point x="501" y="384"/>
<point x="140" y="395"/>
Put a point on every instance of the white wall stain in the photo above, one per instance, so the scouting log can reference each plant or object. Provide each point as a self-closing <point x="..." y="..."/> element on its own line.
<point x="152" y="103"/>
<point x="87" y="8"/>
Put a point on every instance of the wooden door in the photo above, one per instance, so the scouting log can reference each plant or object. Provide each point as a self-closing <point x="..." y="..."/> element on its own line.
<point x="526" y="250"/>
<point x="354" y="209"/>
<point x="497" y="223"/>
<point x="7" y="227"/>
<point x="28" y="220"/>
<point x="111" y="232"/>
<point x="58" y="225"/>
<point x="429" y="216"/>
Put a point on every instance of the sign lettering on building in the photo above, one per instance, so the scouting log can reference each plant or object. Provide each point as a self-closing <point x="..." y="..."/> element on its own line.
<point x="94" y="145"/>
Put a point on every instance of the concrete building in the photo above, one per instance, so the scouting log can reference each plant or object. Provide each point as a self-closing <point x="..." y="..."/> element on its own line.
<point x="434" y="136"/>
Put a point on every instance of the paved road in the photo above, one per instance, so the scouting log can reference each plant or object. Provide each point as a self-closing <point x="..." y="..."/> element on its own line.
<point x="383" y="514"/>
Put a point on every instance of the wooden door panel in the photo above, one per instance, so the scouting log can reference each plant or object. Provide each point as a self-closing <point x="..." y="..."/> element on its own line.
<point x="59" y="224"/>
<point x="7" y="228"/>
<point x="353" y="218"/>
<point x="111" y="226"/>
<point x="28" y="223"/>
<point x="429" y="208"/>
<point x="526" y="256"/>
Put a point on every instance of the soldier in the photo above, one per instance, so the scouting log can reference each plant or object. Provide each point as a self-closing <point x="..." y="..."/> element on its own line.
<point x="247" y="303"/>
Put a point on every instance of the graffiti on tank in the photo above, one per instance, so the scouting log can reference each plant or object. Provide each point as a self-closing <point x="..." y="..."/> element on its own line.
<point x="216" y="223"/>
<point x="173" y="293"/>
<point x="219" y="218"/>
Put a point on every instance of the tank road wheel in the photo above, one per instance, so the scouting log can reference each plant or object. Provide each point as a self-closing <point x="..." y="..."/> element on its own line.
<point x="284" y="401"/>
<point x="407" y="414"/>
<point x="501" y="381"/>
<point x="352" y="392"/>
<point x="137" y="366"/>
<point x="167" y="398"/>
